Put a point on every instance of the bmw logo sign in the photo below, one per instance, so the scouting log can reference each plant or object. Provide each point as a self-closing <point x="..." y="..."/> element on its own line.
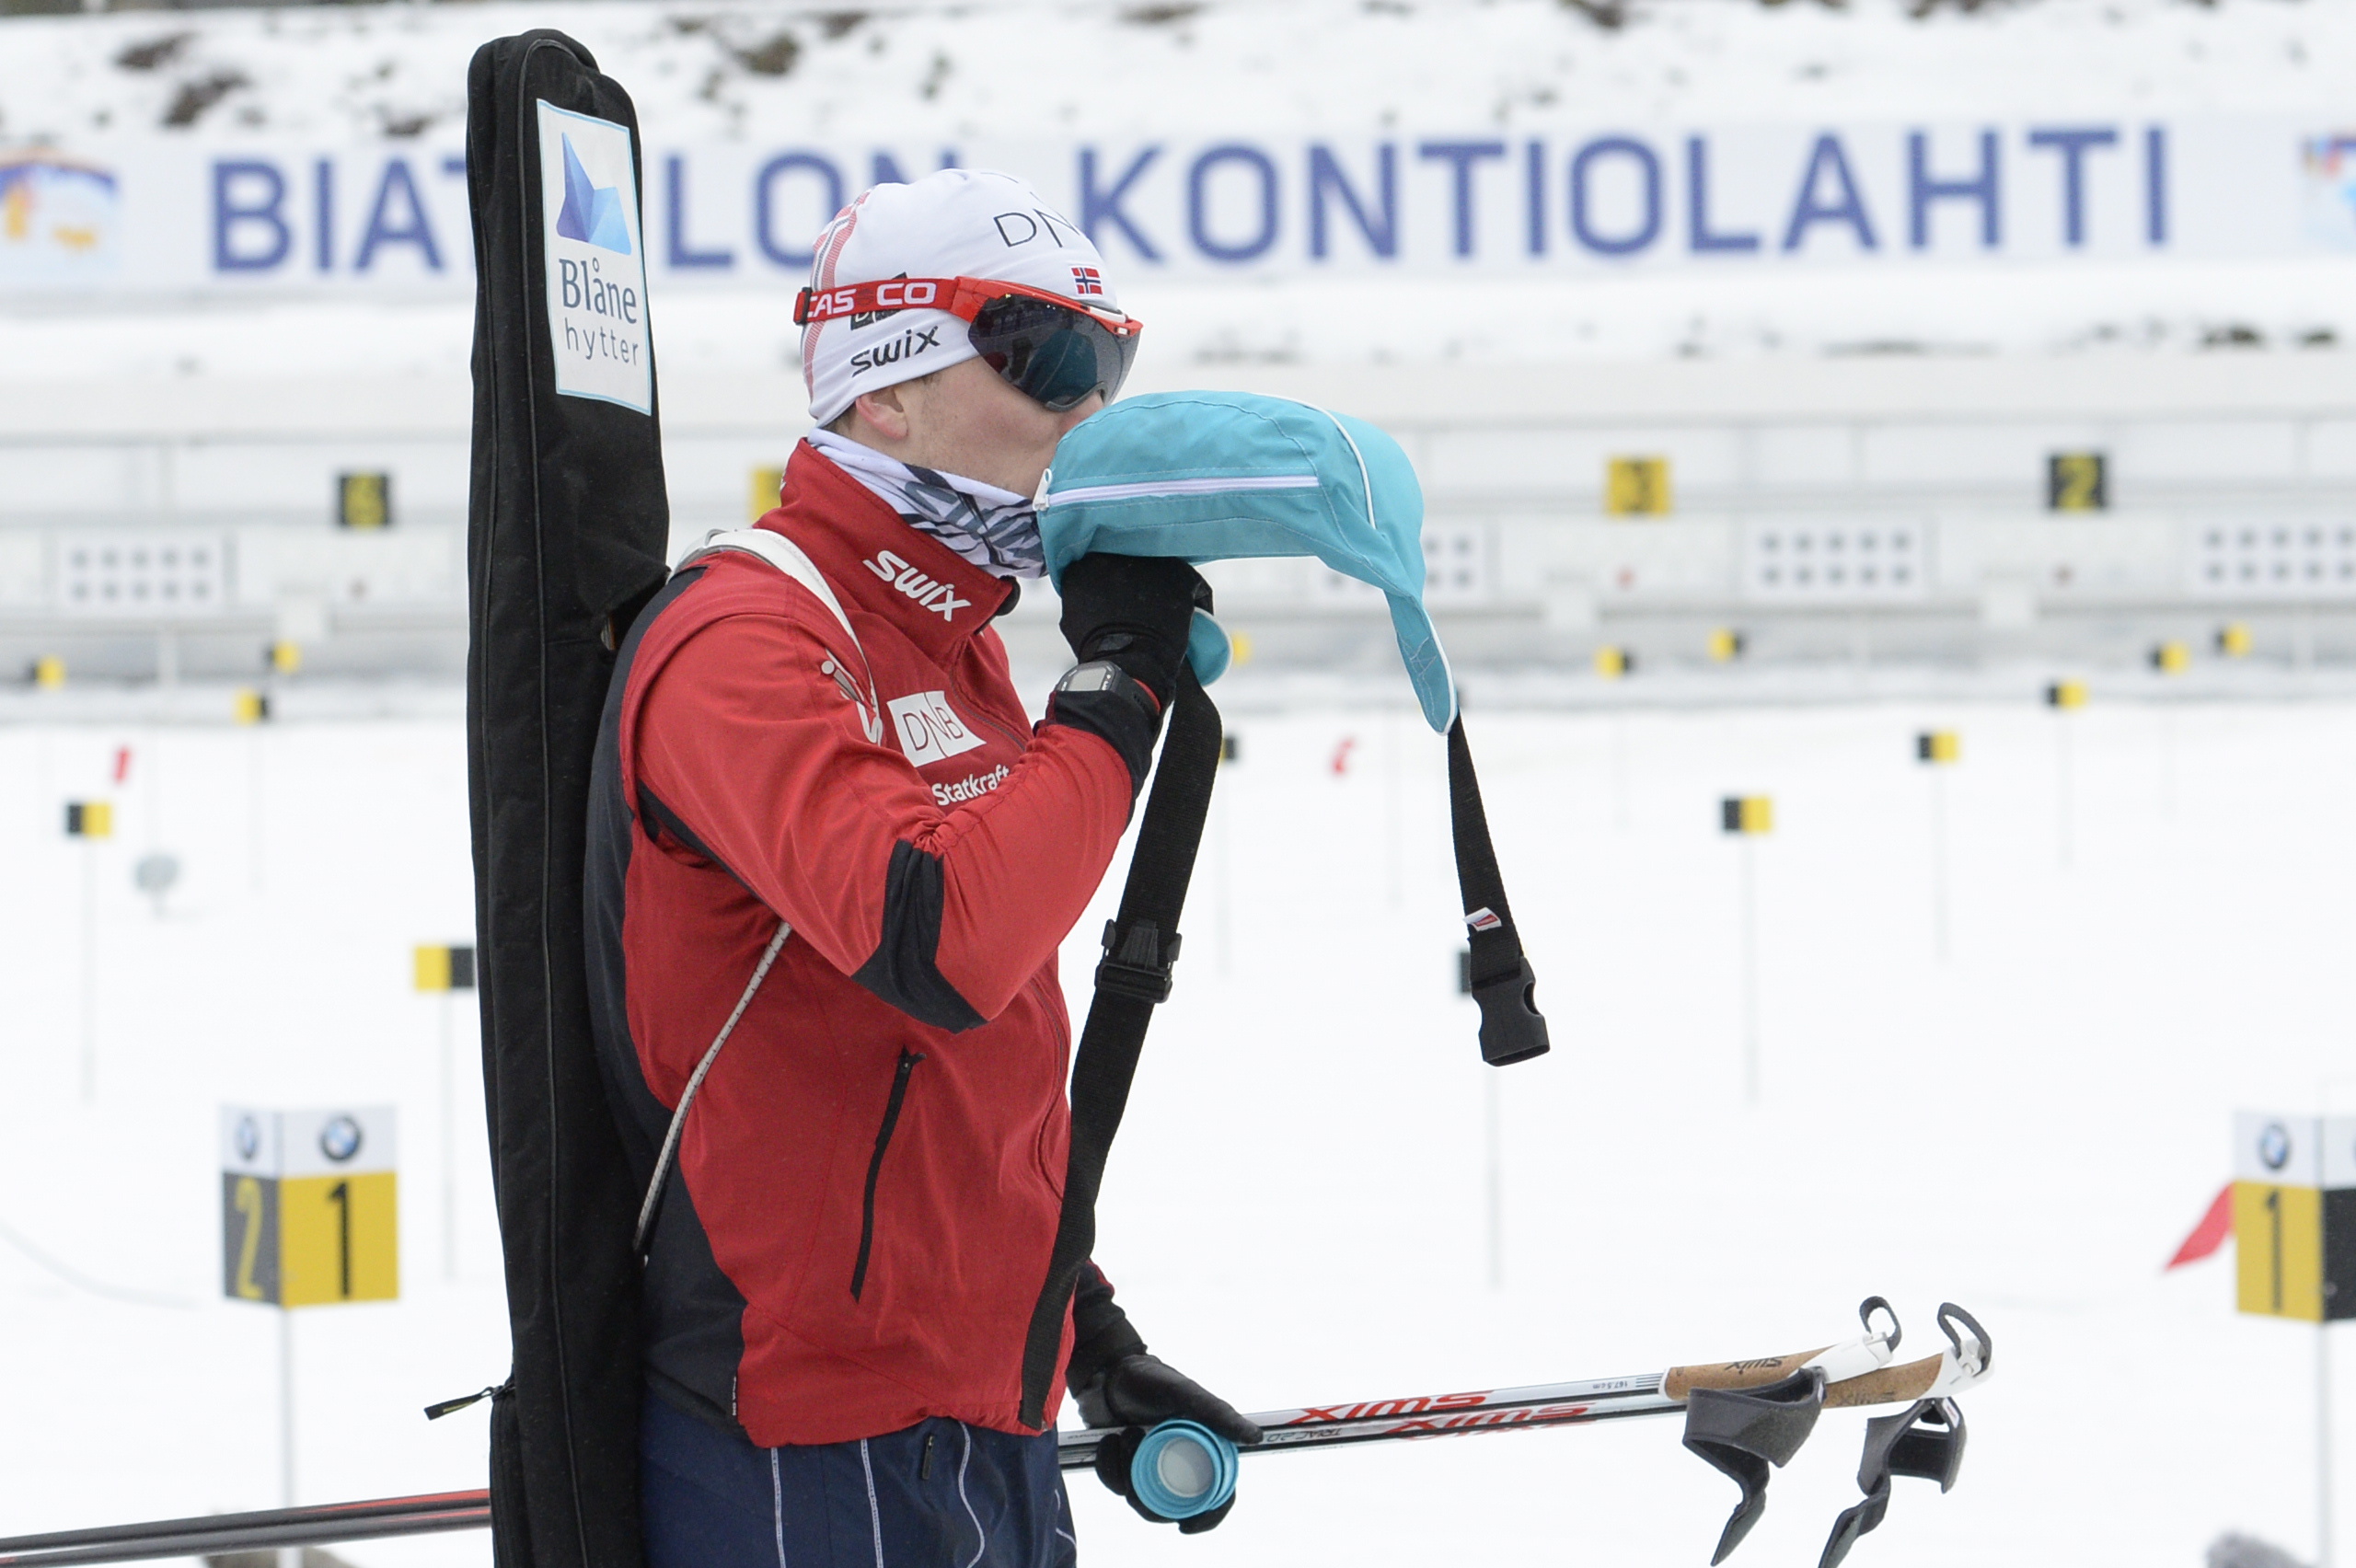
<point x="2274" y="1146"/>
<point x="248" y="1137"/>
<point x="340" y="1139"/>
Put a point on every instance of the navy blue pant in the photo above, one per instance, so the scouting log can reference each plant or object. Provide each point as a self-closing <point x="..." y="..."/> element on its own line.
<point x="940" y="1495"/>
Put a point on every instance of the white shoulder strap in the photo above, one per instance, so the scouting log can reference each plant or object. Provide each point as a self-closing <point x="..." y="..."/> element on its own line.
<point x="787" y="557"/>
<point x="790" y="558"/>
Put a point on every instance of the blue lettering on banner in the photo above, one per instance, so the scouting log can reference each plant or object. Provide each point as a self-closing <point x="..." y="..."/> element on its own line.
<point x="1198" y="180"/>
<point x="765" y="202"/>
<point x="1534" y="180"/>
<point x="1703" y="239"/>
<point x="1381" y="230"/>
<point x="1808" y="209"/>
<point x="236" y="210"/>
<point x="680" y="253"/>
<point x="2072" y="145"/>
<point x="1098" y="206"/>
<point x="1561" y="200"/>
<point x="1645" y="232"/>
<point x="1922" y="188"/>
<point x="1460" y="156"/>
<point x="323" y="234"/>
<point x="399" y="186"/>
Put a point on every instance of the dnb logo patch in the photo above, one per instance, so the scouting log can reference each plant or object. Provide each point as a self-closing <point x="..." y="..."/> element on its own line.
<point x="929" y="728"/>
<point x="596" y="260"/>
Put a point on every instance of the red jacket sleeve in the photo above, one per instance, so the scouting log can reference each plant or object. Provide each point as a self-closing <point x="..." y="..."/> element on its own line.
<point x="944" y="913"/>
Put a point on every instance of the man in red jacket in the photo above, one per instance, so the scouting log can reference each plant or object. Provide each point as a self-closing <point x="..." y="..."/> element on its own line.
<point x="825" y="835"/>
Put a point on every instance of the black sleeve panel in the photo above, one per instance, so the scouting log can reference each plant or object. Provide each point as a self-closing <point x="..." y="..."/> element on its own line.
<point x="1126" y="719"/>
<point x="1101" y="1332"/>
<point x="902" y="969"/>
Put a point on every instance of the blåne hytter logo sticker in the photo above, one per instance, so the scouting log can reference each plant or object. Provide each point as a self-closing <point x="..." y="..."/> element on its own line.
<point x="2328" y="189"/>
<point x="57" y="217"/>
<point x="596" y="260"/>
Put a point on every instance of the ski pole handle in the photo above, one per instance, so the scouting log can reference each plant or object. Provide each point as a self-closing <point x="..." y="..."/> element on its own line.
<point x="1755" y="1373"/>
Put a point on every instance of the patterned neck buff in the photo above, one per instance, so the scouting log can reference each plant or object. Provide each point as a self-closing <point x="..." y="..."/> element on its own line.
<point x="995" y="529"/>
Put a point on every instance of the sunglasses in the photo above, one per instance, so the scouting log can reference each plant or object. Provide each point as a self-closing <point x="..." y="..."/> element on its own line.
<point x="1042" y="345"/>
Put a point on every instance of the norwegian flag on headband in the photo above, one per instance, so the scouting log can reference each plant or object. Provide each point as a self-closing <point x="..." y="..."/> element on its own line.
<point x="1087" y="281"/>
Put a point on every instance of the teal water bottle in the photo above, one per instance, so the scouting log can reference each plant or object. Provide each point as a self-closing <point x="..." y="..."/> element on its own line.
<point x="1182" y="1469"/>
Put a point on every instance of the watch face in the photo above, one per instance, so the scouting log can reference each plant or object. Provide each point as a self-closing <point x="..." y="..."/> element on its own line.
<point x="1098" y="677"/>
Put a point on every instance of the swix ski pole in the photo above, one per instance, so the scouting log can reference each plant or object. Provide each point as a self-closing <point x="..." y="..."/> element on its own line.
<point x="1857" y="1372"/>
<point x="1741" y="1416"/>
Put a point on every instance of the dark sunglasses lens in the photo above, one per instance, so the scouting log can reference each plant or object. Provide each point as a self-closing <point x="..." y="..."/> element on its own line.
<point x="1053" y="355"/>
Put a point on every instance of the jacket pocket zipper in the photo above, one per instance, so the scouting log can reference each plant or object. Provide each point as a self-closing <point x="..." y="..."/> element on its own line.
<point x="908" y="1060"/>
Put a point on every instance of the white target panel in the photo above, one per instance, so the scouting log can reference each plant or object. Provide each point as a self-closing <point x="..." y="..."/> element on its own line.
<point x="1834" y="562"/>
<point x="2274" y="561"/>
<point x="144" y="575"/>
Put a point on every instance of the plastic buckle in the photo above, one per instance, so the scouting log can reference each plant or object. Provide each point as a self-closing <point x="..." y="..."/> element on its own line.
<point x="1138" y="962"/>
<point x="1512" y="1028"/>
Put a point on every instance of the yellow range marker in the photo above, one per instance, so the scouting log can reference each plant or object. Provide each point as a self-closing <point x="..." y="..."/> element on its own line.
<point x="2278" y="1242"/>
<point x="336" y="1238"/>
<point x="249" y="707"/>
<point x="1747" y="814"/>
<point x="1611" y="662"/>
<point x="2077" y="481"/>
<point x="1636" y="487"/>
<point x="312" y="1240"/>
<point x="2066" y="695"/>
<point x="364" y="501"/>
<point x="89" y="819"/>
<point x="2171" y="658"/>
<point x="2233" y="640"/>
<point x="444" y="968"/>
<point x="1726" y="645"/>
<point x="1938" y="746"/>
<point x="286" y="658"/>
<point x="310" y="1206"/>
<point x="761" y="493"/>
<point x="49" y="673"/>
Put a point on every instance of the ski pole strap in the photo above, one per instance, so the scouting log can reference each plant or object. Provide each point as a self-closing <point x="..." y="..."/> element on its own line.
<point x="1141" y="945"/>
<point x="1512" y="1028"/>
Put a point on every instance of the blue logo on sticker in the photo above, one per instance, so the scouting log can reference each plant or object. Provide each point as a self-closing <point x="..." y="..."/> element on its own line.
<point x="2274" y="1146"/>
<point x="591" y="213"/>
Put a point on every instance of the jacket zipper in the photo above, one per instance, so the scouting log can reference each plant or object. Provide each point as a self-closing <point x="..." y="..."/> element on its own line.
<point x="1152" y="488"/>
<point x="908" y="1060"/>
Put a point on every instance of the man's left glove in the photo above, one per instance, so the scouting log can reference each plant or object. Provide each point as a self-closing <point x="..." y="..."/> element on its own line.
<point x="1136" y="1391"/>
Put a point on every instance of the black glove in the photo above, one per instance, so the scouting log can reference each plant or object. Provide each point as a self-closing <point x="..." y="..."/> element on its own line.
<point x="1138" y="1391"/>
<point x="1133" y="611"/>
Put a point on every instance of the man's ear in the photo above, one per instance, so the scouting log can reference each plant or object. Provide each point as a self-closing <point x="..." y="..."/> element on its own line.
<point x="885" y="411"/>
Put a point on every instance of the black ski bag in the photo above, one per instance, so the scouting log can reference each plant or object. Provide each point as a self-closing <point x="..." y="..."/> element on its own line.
<point x="566" y="524"/>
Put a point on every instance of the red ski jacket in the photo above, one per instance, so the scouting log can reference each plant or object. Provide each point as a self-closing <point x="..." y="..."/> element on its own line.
<point x="867" y="1183"/>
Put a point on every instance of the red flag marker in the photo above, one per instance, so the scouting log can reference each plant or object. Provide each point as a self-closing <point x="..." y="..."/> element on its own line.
<point x="2211" y="1233"/>
<point x="1342" y="755"/>
<point x="122" y="763"/>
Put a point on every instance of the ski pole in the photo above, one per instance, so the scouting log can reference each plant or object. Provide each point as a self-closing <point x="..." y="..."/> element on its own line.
<point x="1858" y="1372"/>
<point x="1741" y="1416"/>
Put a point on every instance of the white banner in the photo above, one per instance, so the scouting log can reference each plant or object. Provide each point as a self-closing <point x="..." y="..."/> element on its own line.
<point x="158" y="216"/>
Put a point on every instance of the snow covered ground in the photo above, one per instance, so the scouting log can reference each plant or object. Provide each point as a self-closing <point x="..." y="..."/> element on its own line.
<point x="1296" y="1211"/>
